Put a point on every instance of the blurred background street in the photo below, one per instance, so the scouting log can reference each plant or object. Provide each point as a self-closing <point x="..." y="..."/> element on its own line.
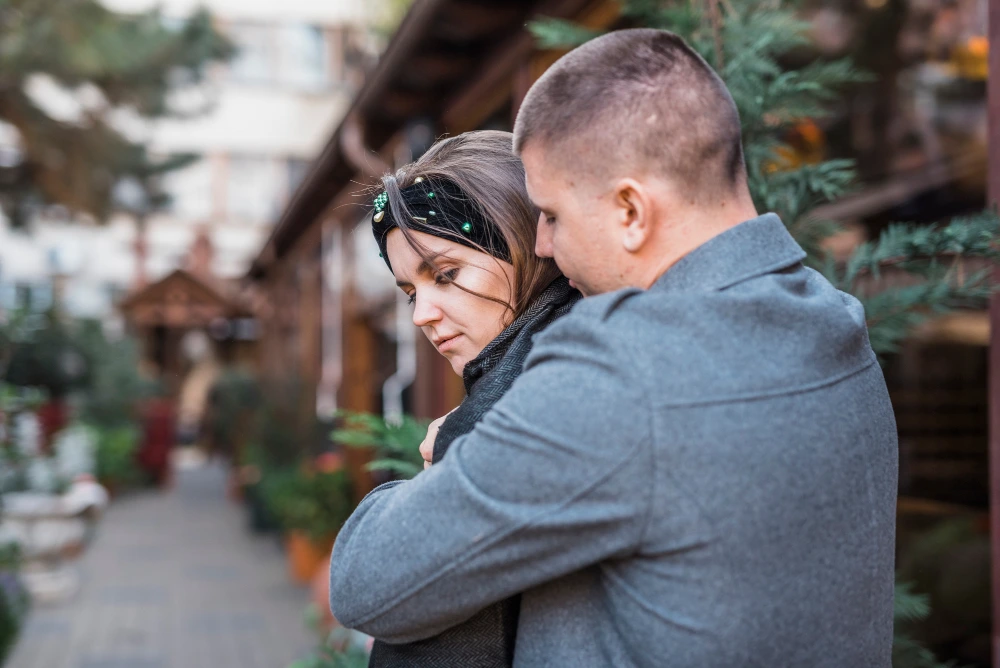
<point x="175" y="581"/>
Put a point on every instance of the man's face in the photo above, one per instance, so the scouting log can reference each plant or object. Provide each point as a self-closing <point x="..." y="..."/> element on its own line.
<point x="577" y="224"/>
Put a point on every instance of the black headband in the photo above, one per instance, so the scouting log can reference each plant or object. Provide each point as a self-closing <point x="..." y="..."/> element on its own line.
<point x="440" y="208"/>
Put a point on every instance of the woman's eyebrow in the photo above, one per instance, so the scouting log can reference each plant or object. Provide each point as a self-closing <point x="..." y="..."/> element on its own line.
<point x="427" y="263"/>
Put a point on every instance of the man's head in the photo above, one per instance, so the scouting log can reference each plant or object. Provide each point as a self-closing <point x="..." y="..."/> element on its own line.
<point x="632" y="149"/>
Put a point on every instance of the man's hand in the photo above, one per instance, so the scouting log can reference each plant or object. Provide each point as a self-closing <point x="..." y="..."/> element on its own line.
<point x="427" y="446"/>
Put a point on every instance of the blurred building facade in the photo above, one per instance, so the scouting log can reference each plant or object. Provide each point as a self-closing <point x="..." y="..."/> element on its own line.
<point x="256" y="123"/>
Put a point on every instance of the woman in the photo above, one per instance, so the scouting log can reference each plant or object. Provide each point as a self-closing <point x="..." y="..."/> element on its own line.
<point x="457" y="230"/>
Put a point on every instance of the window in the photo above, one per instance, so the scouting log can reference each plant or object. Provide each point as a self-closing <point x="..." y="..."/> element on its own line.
<point x="292" y="54"/>
<point x="22" y="296"/>
<point x="303" y="58"/>
<point x="255" y="184"/>
<point x="8" y="298"/>
<point x="190" y="190"/>
<point x="254" y="59"/>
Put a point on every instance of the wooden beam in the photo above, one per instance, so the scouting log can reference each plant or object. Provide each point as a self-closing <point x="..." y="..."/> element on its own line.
<point x="900" y="188"/>
<point x="403" y="105"/>
<point x="993" y="197"/>
<point x="493" y="84"/>
<point x="431" y="69"/>
<point x="357" y="389"/>
<point x="463" y="22"/>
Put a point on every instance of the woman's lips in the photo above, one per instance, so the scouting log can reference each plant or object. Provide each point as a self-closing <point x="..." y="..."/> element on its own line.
<point x="446" y="344"/>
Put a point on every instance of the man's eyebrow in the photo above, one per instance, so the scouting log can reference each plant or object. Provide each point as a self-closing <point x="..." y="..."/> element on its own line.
<point x="540" y="207"/>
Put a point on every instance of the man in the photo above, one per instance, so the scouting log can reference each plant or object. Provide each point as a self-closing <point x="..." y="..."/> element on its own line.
<point x="698" y="465"/>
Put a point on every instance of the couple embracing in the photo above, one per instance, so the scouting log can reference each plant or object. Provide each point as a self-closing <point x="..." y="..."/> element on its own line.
<point x="677" y="447"/>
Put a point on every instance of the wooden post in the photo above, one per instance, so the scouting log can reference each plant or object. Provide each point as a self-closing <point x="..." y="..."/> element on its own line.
<point x="993" y="197"/>
<point x="357" y="391"/>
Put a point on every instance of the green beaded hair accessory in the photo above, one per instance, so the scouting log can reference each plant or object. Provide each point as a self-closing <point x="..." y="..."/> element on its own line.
<point x="439" y="208"/>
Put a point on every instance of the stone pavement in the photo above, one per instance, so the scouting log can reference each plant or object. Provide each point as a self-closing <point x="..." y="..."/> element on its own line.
<point x="174" y="580"/>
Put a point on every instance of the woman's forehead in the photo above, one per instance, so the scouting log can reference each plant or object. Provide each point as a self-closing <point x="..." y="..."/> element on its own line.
<point x="409" y="260"/>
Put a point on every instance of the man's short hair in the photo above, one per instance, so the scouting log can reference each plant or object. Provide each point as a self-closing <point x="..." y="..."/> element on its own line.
<point x="641" y="97"/>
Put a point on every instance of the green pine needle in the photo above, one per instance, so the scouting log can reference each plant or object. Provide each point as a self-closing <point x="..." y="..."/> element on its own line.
<point x="559" y="34"/>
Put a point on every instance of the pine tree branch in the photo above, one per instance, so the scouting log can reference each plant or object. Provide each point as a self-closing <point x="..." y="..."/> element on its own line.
<point x="915" y="248"/>
<point x="892" y="315"/>
<point x="553" y="33"/>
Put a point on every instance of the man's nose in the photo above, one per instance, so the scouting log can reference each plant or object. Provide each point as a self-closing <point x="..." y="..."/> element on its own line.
<point x="543" y="238"/>
<point x="425" y="312"/>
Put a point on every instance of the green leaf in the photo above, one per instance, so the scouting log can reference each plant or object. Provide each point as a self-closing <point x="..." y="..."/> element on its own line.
<point x="552" y="33"/>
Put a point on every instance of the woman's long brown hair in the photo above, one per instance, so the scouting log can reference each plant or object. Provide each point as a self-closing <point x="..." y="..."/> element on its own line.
<point x="483" y="165"/>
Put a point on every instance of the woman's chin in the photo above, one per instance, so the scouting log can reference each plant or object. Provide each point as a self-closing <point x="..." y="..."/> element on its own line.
<point x="458" y="363"/>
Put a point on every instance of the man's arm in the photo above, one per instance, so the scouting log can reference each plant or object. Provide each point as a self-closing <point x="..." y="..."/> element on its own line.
<point x="557" y="476"/>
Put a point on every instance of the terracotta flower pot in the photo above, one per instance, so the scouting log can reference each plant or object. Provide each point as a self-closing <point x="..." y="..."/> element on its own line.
<point x="319" y="593"/>
<point x="305" y="556"/>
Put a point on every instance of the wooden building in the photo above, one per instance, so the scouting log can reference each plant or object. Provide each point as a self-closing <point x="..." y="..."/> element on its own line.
<point x="162" y="313"/>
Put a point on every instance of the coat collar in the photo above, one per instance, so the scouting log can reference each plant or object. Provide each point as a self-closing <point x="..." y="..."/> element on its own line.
<point x="752" y="248"/>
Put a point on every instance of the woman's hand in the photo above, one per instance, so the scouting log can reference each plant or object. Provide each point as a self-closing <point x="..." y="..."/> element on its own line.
<point x="427" y="446"/>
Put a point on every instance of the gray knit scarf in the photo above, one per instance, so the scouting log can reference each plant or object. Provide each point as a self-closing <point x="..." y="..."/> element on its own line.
<point x="486" y="640"/>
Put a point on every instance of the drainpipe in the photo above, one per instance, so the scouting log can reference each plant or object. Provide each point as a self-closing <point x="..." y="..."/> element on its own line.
<point x="371" y="165"/>
<point x="406" y="364"/>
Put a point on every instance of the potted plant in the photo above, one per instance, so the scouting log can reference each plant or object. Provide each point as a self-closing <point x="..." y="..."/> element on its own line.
<point x="252" y="472"/>
<point x="310" y="503"/>
<point x="234" y="403"/>
<point x="48" y="355"/>
<point x="396" y="446"/>
<point x="115" y="458"/>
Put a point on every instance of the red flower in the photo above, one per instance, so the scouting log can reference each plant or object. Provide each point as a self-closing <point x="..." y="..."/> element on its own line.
<point x="329" y="462"/>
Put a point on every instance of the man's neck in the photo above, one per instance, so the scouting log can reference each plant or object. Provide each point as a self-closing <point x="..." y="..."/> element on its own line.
<point x="685" y="233"/>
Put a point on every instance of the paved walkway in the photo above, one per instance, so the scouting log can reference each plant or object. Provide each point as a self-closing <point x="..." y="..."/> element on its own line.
<point x="174" y="580"/>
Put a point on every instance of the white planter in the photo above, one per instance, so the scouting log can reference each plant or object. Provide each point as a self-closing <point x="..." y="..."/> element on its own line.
<point x="52" y="530"/>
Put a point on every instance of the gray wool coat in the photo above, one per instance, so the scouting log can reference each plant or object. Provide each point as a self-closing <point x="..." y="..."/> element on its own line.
<point x="700" y="474"/>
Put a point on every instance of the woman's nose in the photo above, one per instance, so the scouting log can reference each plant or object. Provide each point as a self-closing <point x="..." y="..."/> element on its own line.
<point x="425" y="312"/>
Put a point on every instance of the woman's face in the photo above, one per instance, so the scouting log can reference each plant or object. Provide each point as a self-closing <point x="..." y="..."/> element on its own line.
<point x="458" y="323"/>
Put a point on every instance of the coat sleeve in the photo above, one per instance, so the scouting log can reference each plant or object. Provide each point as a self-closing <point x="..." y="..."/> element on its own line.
<point x="556" y="477"/>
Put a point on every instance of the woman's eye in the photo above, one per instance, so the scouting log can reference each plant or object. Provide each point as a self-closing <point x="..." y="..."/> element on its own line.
<point x="446" y="276"/>
<point x="412" y="299"/>
<point x="551" y="220"/>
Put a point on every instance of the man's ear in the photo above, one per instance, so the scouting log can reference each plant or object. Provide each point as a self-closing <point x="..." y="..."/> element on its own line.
<point x="635" y="209"/>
